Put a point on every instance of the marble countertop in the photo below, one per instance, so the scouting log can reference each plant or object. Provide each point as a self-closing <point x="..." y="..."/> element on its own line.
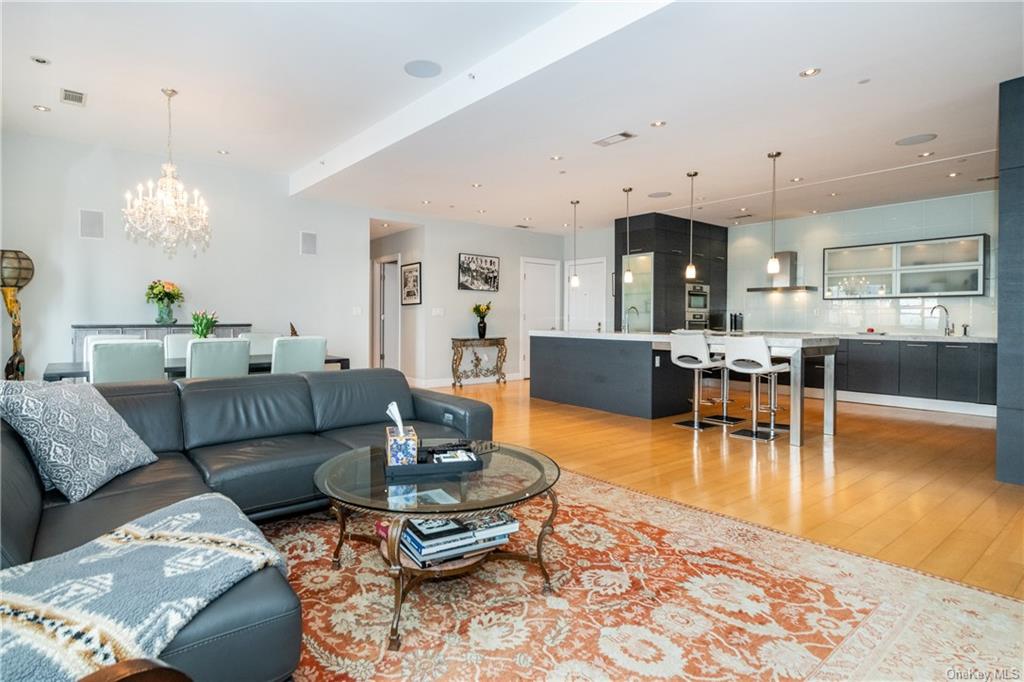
<point x="934" y="338"/>
<point x="775" y="339"/>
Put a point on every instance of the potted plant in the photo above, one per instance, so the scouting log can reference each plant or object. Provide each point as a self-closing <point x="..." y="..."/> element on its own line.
<point x="481" y="310"/>
<point x="165" y="294"/>
<point x="203" y="323"/>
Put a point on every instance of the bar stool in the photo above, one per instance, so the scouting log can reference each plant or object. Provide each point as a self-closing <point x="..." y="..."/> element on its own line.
<point x="690" y="351"/>
<point x="750" y="355"/>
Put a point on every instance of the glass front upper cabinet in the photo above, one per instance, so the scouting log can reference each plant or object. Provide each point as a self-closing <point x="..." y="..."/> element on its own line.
<point x="954" y="266"/>
<point x="638" y="295"/>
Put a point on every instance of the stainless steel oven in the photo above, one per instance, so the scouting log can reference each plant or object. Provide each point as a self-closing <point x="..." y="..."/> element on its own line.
<point x="698" y="306"/>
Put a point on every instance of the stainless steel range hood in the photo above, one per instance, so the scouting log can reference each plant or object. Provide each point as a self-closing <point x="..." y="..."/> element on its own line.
<point x="785" y="280"/>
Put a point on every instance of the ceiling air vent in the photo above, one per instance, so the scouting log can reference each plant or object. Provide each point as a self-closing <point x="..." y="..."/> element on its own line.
<point x="615" y="139"/>
<point x="741" y="216"/>
<point x="523" y="227"/>
<point x="991" y="177"/>
<point x="72" y="97"/>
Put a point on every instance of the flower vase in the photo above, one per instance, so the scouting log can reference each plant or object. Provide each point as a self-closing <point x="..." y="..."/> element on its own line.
<point x="164" y="314"/>
<point x="481" y="329"/>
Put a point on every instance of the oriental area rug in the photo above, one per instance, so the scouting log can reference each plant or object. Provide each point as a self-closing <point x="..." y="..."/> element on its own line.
<point x="645" y="589"/>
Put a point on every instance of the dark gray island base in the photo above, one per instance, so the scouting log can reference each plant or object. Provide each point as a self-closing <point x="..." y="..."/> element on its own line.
<point x="624" y="377"/>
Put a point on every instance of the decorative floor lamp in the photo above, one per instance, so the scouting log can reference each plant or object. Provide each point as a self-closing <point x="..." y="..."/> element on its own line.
<point x="16" y="270"/>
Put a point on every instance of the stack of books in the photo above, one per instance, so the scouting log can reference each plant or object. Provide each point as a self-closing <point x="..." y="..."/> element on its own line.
<point x="433" y="542"/>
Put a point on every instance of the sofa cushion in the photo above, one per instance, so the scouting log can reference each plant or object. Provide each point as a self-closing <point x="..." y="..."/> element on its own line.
<point x="251" y="632"/>
<point x="243" y="408"/>
<point x="20" y="499"/>
<point x="265" y="473"/>
<point x="78" y="441"/>
<point x="66" y="526"/>
<point x="373" y="434"/>
<point x="169" y="466"/>
<point x="151" y="409"/>
<point x="357" y="396"/>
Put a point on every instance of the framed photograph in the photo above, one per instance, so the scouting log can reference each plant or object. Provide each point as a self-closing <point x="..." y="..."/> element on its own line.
<point x="412" y="284"/>
<point x="478" y="273"/>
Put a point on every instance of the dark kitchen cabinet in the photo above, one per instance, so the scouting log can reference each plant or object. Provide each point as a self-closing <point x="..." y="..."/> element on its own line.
<point x="873" y="367"/>
<point x="958" y="365"/>
<point x="987" y="373"/>
<point x="918" y="369"/>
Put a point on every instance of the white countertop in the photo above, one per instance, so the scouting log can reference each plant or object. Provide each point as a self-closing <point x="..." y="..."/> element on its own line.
<point x="775" y="339"/>
<point x="920" y="337"/>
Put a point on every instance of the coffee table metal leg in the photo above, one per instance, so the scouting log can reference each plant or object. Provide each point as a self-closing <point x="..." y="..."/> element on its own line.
<point x="546" y="530"/>
<point x="341" y="515"/>
<point x="399" y="576"/>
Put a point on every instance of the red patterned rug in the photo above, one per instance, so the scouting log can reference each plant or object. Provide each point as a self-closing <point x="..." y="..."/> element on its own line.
<point x="646" y="589"/>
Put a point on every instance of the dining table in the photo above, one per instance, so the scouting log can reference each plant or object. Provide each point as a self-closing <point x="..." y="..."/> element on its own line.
<point x="174" y="367"/>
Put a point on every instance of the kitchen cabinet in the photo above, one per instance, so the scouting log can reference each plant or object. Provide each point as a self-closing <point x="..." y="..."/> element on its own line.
<point x="918" y="369"/>
<point x="958" y="365"/>
<point x="873" y="367"/>
<point x="987" y="374"/>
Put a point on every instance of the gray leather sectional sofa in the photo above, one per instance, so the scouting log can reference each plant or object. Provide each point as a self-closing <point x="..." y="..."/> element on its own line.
<point x="256" y="439"/>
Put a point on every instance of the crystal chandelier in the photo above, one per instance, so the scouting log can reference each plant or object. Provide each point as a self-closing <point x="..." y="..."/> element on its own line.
<point x="163" y="213"/>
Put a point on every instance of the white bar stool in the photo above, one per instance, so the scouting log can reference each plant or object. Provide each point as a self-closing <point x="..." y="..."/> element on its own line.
<point x="690" y="351"/>
<point x="750" y="355"/>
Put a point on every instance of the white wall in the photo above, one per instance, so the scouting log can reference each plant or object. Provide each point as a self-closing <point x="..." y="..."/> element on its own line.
<point x="408" y="246"/>
<point x="252" y="271"/>
<point x="749" y="248"/>
<point x="597" y="242"/>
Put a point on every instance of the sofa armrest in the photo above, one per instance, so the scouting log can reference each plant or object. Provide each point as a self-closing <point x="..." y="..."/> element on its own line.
<point x="473" y="418"/>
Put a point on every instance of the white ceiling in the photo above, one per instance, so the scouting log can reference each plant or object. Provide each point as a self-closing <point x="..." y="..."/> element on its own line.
<point x="724" y="76"/>
<point x="382" y="228"/>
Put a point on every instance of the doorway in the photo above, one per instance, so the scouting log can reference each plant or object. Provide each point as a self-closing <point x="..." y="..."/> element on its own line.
<point x="387" y="311"/>
<point x="585" y="304"/>
<point x="539" y="294"/>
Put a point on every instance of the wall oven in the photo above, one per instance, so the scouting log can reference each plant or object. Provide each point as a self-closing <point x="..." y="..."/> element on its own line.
<point x="698" y="305"/>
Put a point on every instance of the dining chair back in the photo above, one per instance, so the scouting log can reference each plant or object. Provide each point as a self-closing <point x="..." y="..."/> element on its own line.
<point x="209" y="358"/>
<point x="125" y="360"/>
<point x="298" y="354"/>
<point x="97" y="338"/>
<point x="176" y="345"/>
<point x="261" y="343"/>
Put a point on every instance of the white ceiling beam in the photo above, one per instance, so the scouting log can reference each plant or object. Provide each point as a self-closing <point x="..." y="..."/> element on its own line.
<point x="572" y="30"/>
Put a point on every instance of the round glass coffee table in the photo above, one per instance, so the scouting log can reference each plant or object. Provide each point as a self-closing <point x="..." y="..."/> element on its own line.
<point x="355" y="482"/>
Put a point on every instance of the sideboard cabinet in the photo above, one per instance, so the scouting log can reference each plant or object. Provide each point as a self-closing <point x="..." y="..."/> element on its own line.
<point x="145" y="331"/>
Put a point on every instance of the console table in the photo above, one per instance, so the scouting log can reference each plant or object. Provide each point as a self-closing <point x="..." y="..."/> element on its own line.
<point x="459" y="345"/>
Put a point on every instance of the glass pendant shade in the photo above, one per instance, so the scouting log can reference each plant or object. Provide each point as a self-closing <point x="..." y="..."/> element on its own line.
<point x="691" y="271"/>
<point x="773" y="266"/>
<point x="574" y="281"/>
<point x="627" y="276"/>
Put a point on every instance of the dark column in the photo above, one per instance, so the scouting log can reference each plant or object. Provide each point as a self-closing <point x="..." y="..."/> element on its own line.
<point x="1010" y="365"/>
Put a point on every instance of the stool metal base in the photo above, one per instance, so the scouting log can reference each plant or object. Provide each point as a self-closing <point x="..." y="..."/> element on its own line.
<point x="778" y="426"/>
<point x="699" y="426"/>
<point x="751" y="435"/>
<point x="726" y="420"/>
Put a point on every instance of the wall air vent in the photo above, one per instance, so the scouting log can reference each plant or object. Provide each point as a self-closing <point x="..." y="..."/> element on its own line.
<point x="90" y="224"/>
<point x="615" y="139"/>
<point x="307" y="243"/>
<point x="741" y="216"/>
<point x="72" y="97"/>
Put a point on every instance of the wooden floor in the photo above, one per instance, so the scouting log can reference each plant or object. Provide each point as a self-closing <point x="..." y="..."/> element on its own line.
<point x="912" y="487"/>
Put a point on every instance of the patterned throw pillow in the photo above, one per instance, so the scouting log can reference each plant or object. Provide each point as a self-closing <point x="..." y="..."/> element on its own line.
<point x="78" y="441"/>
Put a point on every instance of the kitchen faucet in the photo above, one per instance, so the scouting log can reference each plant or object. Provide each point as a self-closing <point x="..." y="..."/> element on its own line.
<point x="630" y="309"/>
<point x="950" y="327"/>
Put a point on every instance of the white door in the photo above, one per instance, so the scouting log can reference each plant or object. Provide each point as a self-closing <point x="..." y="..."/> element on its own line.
<point x="585" y="304"/>
<point x="538" y="301"/>
<point x="391" y="347"/>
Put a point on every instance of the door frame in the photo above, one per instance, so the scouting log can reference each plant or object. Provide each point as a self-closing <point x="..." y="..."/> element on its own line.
<point x="566" y="287"/>
<point x="524" y="333"/>
<point x="377" y="308"/>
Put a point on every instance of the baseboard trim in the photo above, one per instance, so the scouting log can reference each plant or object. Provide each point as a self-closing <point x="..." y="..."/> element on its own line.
<point x="416" y="382"/>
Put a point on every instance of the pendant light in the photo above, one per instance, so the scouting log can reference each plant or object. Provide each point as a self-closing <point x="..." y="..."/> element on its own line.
<point x="773" y="262"/>
<point x="627" y="276"/>
<point x="574" y="281"/>
<point x="691" y="269"/>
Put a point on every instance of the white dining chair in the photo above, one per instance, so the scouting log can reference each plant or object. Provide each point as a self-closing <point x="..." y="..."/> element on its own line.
<point x="97" y="338"/>
<point x="750" y="355"/>
<point x="125" y="360"/>
<point x="261" y="343"/>
<point x="209" y="358"/>
<point x="176" y="346"/>
<point x="298" y="354"/>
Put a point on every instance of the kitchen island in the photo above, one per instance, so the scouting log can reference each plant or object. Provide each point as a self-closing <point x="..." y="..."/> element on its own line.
<point x="632" y="374"/>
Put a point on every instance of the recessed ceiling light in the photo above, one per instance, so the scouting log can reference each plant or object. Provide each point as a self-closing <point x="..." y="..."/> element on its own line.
<point x="953" y="175"/>
<point x="481" y="210"/>
<point x="924" y="155"/>
<point x="659" y="195"/>
<point x="565" y="224"/>
<point x="735" y="222"/>
<point x="555" y="157"/>
<point x="527" y="218"/>
<point x="40" y="107"/>
<point x="387" y="225"/>
<point x="561" y="172"/>
<point x="743" y="210"/>
<point x="422" y="68"/>
<point x="425" y="202"/>
<point x="40" y="60"/>
<point x="223" y="152"/>
<point x="814" y="210"/>
<point x="659" y="124"/>
<point x="796" y="179"/>
<point x="477" y="185"/>
<point x="808" y="73"/>
<point x="916" y="139"/>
